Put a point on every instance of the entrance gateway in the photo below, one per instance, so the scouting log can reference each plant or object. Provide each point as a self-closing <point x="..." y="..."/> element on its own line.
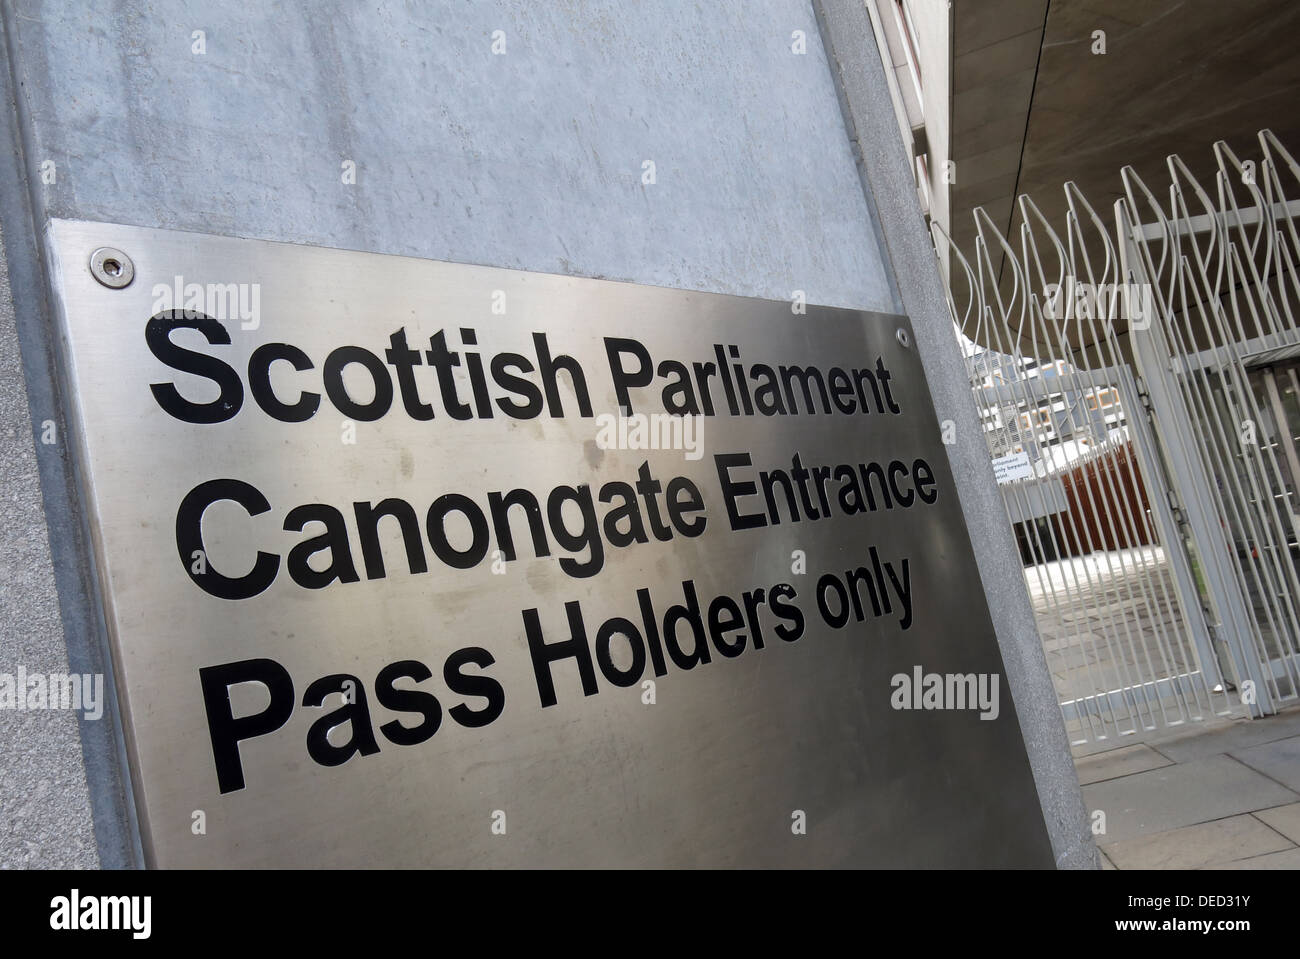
<point x="653" y="658"/>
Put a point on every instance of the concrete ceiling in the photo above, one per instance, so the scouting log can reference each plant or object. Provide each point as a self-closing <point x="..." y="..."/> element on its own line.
<point x="1034" y="107"/>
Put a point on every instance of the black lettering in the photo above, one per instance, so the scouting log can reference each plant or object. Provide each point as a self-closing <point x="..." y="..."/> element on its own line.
<point x="436" y="523"/>
<point x="679" y="505"/>
<point x="189" y="539"/>
<point x="587" y="538"/>
<point x="624" y="379"/>
<point x="338" y="393"/>
<point x="471" y="684"/>
<point x="904" y="496"/>
<point x="259" y="383"/>
<point x="368" y="518"/>
<point x="923" y="480"/>
<point x="792" y="625"/>
<point x="354" y="712"/>
<point x="407" y="701"/>
<point x="225" y="729"/>
<point x="157" y="334"/>
<point x="730" y="490"/>
<point x="334" y="539"/>
<point x="618" y="626"/>
<point x="544" y="654"/>
<point x="404" y="360"/>
<point x="720" y="626"/>
<point x="689" y="613"/>
<point x="547" y="367"/>
<point x="518" y="385"/>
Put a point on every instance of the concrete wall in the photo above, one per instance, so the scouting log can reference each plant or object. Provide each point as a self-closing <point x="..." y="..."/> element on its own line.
<point x="532" y="159"/>
<point x="46" y="818"/>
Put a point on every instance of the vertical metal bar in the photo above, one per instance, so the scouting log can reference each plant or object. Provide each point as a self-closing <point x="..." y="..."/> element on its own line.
<point x="1284" y="438"/>
<point x="1173" y="429"/>
<point x="1171" y="535"/>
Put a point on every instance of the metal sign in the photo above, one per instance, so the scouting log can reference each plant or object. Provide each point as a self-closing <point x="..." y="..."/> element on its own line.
<point x="410" y="563"/>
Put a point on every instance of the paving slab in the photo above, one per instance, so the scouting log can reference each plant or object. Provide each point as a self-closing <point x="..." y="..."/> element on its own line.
<point x="1288" y="859"/>
<point x="1181" y="795"/>
<point x="1113" y="740"/>
<point x="1278" y="760"/>
<point x="1195" y="847"/>
<point x="1114" y="763"/>
<point x="1242" y="734"/>
<point x="1285" y="819"/>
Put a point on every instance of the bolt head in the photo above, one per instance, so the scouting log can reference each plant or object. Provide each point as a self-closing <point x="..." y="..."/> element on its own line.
<point x="112" y="267"/>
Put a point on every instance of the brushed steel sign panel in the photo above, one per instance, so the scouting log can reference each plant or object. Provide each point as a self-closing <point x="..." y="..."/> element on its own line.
<point x="413" y="563"/>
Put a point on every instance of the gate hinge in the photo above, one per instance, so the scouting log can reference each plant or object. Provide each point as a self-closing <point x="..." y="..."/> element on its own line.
<point x="1143" y="395"/>
<point x="1176" y="509"/>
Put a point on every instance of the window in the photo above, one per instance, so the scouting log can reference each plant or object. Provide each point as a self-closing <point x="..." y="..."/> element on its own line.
<point x="908" y="30"/>
<point x="1102" y="399"/>
<point x="1043" y="416"/>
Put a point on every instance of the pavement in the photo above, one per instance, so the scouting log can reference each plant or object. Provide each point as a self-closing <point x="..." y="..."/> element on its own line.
<point x="1219" y="795"/>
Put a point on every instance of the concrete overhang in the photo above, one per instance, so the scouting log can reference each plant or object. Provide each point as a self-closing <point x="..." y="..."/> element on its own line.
<point x="1033" y="106"/>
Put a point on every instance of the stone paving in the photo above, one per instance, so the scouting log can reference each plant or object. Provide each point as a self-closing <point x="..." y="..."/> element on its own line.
<point x="1208" y="791"/>
<point x="1220" y="795"/>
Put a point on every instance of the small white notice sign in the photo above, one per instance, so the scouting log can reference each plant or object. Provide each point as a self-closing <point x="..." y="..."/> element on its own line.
<point x="1013" y="466"/>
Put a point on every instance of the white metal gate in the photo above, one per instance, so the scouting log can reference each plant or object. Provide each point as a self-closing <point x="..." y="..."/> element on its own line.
<point x="1217" y="360"/>
<point x="1160" y="549"/>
